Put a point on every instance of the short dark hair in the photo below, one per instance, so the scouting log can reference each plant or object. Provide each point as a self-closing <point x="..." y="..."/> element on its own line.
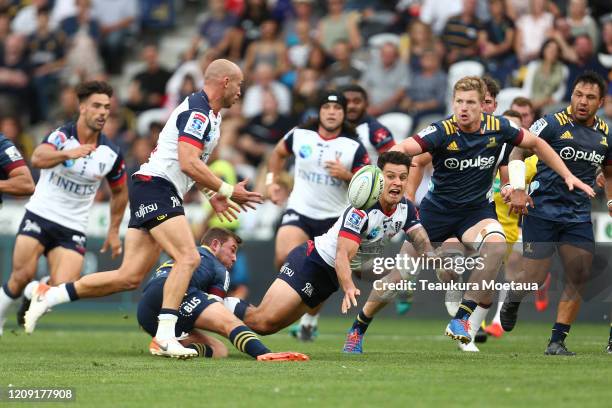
<point x="512" y="113"/>
<point x="492" y="85"/>
<point x="522" y="101"/>
<point x="393" y="157"/>
<point x="591" y="77"/>
<point x="221" y="235"/>
<point x="355" y="88"/>
<point x="85" y="89"/>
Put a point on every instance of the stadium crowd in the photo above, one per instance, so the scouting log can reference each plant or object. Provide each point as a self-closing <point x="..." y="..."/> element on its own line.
<point x="404" y="53"/>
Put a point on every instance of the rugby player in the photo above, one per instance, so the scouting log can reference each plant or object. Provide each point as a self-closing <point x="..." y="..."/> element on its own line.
<point x="74" y="159"/>
<point x="560" y="219"/>
<point x="327" y="152"/>
<point x="465" y="149"/>
<point x="202" y="306"/>
<point x="157" y="219"/>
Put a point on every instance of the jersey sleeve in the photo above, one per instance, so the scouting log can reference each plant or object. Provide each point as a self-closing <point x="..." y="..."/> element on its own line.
<point x="360" y="159"/>
<point x="354" y="223"/>
<point x="380" y="137"/>
<point x="193" y="128"/>
<point x="10" y="157"/>
<point x="56" y="139"/>
<point x="412" y="218"/>
<point x="220" y="282"/>
<point x="288" y="140"/>
<point x="430" y="138"/>
<point x="543" y="128"/>
<point x="512" y="134"/>
<point x="118" y="175"/>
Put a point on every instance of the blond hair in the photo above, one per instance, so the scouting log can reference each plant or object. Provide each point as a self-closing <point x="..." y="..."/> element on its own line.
<point x="471" y="83"/>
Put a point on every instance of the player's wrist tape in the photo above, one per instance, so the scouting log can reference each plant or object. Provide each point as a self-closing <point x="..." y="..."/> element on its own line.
<point x="269" y="178"/>
<point x="505" y="186"/>
<point x="226" y="190"/>
<point x="609" y="203"/>
<point x="516" y="170"/>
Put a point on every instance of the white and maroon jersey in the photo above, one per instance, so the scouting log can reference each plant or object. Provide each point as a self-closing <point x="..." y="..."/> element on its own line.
<point x="376" y="138"/>
<point x="194" y="122"/>
<point x="64" y="193"/>
<point x="372" y="229"/>
<point x="10" y="159"/>
<point x="316" y="194"/>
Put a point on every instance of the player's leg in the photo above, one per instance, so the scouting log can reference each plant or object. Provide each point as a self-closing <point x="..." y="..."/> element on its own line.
<point x="287" y="238"/>
<point x="26" y="253"/>
<point x="141" y="253"/>
<point x="206" y="346"/>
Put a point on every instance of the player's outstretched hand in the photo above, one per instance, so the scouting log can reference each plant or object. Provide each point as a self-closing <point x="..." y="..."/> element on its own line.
<point x="224" y="208"/>
<point x="81" y="151"/>
<point x="245" y="198"/>
<point x="114" y="242"/>
<point x="520" y="201"/>
<point x="574" y="182"/>
<point x="350" y="297"/>
<point x="275" y="193"/>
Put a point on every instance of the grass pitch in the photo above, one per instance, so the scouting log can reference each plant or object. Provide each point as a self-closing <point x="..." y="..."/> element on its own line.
<point x="407" y="363"/>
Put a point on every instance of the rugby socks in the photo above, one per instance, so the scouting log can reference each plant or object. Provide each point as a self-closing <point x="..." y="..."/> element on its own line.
<point x="237" y="306"/>
<point x="476" y="318"/>
<point x="500" y="303"/>
<point x="559" y="332"/>
<point x="466" y="308"/>
<point x="27" y="291"/>
<point x="309" y="320"/>
<point x="246" y="341"/>
<point x="610" y="338"/>
<point x="59" y="294"/>
<point x="166" y="324"/>
<point x="202" y="349"/>
<point x="361" y="323"/>
<point x="7" y="298"/>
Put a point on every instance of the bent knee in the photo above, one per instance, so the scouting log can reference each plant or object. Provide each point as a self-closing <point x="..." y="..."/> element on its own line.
<point x="220" y="351"/>
<point x="189" y="258"/>
<point x="129" y="280"/>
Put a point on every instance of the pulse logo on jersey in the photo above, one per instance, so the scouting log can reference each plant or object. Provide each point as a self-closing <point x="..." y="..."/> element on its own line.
<point x="477" y="162"/>
<point x="570" y="154"/>
<point x="373" y="233"/>
<point x="305" y="151"/>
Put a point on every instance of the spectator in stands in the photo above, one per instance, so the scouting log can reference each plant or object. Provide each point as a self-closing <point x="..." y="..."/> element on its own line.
<point x="25" y="22"/>
<point x="336" y="25"/>
<point x="461" y="34"/>
<point x="303" y="14"/>
<point x="435" y="13"/>
<point x="264" y="80"/>
<point x="262" y="132"/>
<point x="46" y="59"/>
<point x="532" y="30"/>
<point x="82" y="21"/>
<point x="148" y="88"/>
<point x="138" y="154"/>
<point x="68" y="108"/>
<point x="606" y="111"/>
<point x="300" y="46"/>
<point x="418" y="39"/>
<point x="306" y="94"/>
<point x="426" y="93"/>
<point x="524" y="107"/>
<point x="118" y="20"/>
<point x="496" y="47"/>
<point x="5" y="26"/>
<point x="548" y="76"/>
<point x="386" y="80"/>
<point x="213" y="30"/>
<point x="606" y="38"/>
<point x="343" y="71"/>
<point x="581" y="22"/>
<point x="14" y="76"/>
<point x="247" y="28"/>
<point x="268" y="49"/>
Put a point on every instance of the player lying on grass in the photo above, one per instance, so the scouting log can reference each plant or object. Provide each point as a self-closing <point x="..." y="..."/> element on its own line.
<point x="315" y="270"/>
<point x="202" y="307"/>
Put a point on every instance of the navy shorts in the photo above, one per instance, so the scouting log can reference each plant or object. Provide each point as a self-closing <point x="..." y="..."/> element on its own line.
<point x="541" y="236"/>
<point x="153" y="200"/>
<point x="442" y="224"/>
<point x="313" y="228"/>
<point x="193" y="304"/>
<point x="309" y="275"/>
<point x="51" y="234"/>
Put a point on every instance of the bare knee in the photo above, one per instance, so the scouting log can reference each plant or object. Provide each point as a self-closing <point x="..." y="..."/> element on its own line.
<point x="219" y="350"/>
<point x="129" y="279"/>
<point x="261" y="324"/>
<point x="190" y="259"/>
<point x="495" y="248"/>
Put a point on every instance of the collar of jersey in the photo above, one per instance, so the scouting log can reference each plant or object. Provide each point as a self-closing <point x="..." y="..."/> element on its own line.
<point x="596" y="124"/>
<point x="388" y="214"/>
<point x="482" y="119"/>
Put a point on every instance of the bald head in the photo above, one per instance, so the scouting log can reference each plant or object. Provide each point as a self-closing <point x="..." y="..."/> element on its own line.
<point x="220" y="69"/>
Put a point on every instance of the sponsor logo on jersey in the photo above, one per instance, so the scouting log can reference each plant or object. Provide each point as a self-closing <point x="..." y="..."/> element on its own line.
<point x="319" y="178"/>
<point x="161" y="217"/>
<point x="287" y="218"/>
<point x="286" y="269"/>
<point x="453" y="146"/>
<point x="188" y="306"/>
<point x="57" y="139"/>
<point x="570" y="154"/>
<point x="145" y="209"/>
<point x="354" y="220"/>
<point x="307" y="289"/>
<point x="374" y="233"/>
<point x="226" y="282"/>
<point x="428" y="130"/>
<point x="604" y="141"/>
<point x="196" y="124"/>
<point x="72" y="187"/>
<point x="13" y="154"/>
<point x="528" y="248"/>
<point x="101" y="166"/>
<point x="492" y="142"/>
<point x="538" y="126"/>
<point x="305" y="151"/>
<point x="175" y="201"/>
<point x="566" y="135"/>
<point x="477" y="162"/>
<point x="80" y="240"/>
<point x="31" y="226"/>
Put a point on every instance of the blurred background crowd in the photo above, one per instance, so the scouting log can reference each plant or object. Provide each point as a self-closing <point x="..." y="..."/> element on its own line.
<point x="405" y="53"/>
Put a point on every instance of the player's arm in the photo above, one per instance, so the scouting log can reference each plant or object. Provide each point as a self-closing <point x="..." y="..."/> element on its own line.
<point x="276" y="164"/>
<point x="19" y="182"/>
<point x="419" y="239"/>
<point x="47" y="155"/>
<point x="117" y="180"/>
<point x="427" y="140"/>
<point x="345" y="251"/>
<point x="607" y="172"/>
<point x="415" y="175"/>
<point x="408" y="146"/>
<point x="337" y="169"/>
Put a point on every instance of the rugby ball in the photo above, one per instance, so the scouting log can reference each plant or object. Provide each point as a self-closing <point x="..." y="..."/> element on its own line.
<point x="365" y="187"/>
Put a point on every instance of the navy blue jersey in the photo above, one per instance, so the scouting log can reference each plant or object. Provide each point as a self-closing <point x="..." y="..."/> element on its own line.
<point x="465" y="163"/>
<point x="10" y="158"/>
<point x="583" y="150"/>
<point x="210" y="276"/>
<point x="374" y="136"/>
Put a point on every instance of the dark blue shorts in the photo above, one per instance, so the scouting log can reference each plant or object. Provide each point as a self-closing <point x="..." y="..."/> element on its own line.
<point x="309" y="275"/>
<point x="51" y="234"/>
<point x="153" y="200"/>
<point x="442" y="224"/>
<point x="193" y="304"/>
<point x="541" y="236"/>
<point x="313" y="228"/>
